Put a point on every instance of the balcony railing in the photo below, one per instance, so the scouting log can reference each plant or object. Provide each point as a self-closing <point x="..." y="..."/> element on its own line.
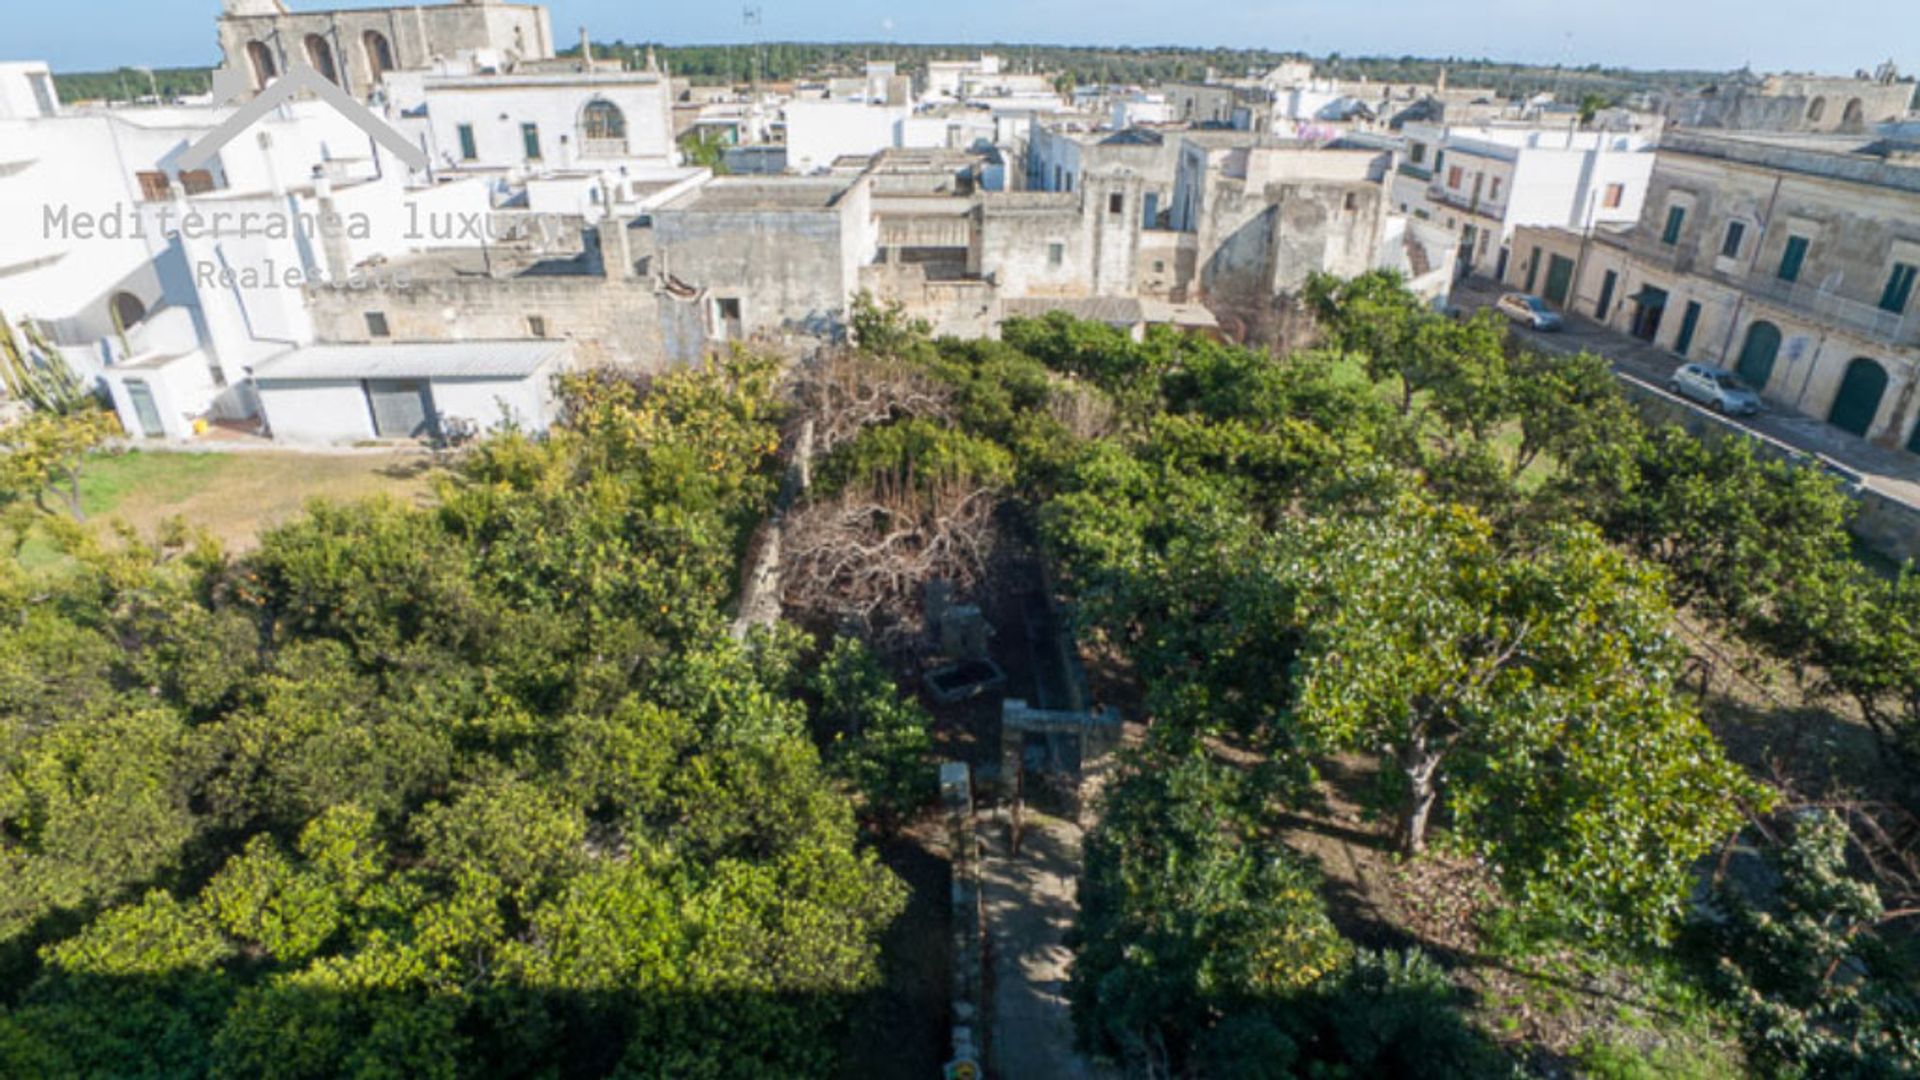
<point x="1807" y="298"/>
<point x="603" y="148"/>
<point x="1418" y="172"/>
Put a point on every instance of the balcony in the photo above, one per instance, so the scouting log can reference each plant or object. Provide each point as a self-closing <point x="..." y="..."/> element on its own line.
<point x="1897" y="328"/>
<point x="603" y="148"/>
<point x="1417" y="172"/>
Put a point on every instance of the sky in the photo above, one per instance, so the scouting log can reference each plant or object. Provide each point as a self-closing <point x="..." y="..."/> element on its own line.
<point x="1770" y="35"/>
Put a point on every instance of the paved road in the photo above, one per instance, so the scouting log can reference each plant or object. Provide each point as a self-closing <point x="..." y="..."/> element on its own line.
<point x="1893" y="473"/>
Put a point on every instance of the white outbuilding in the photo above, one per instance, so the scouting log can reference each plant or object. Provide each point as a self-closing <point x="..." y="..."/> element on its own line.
<point x="345" y="394"/>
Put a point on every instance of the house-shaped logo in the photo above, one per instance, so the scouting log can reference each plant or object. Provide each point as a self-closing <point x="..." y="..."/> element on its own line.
<point x="230" y="85"/>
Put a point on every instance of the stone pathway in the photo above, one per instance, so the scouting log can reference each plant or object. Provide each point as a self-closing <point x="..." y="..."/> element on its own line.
<point x="1030" y="905"/>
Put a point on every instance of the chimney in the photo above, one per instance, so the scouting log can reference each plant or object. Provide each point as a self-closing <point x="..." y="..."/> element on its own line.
<point x="586" y="51"/>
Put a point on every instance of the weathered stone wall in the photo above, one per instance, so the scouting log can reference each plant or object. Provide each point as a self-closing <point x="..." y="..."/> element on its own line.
<point x="1018" y="232"/>
<point x="415" y="35"/>
<point x="609" y="321"/>
<point x="1854" y="222"/>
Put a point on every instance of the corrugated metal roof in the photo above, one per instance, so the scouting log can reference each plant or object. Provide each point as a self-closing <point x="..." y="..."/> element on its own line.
<point x="1112" y="310"/>
<point x="412" y="360"/>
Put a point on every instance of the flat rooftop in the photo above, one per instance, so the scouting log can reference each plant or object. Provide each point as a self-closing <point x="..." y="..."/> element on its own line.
<point x="497" y="261"/>
<point x="732" y="196"/>
<point x="1872" y="159"/>
<point x="418" y="360"/>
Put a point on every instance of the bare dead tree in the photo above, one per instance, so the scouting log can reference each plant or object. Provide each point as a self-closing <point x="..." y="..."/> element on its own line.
<point x="844" y="391"/>
<point x="1082" y="411"/>
<point x="1883" y="837"/>
<point x="864" y="557"/>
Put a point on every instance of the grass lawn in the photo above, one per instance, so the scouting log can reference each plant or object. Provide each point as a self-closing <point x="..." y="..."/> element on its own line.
<point x="234" y="496"/>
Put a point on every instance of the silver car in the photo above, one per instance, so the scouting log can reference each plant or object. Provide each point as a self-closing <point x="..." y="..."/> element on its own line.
<point x="1529" y="311"/>
<point x="1716" y="388"/>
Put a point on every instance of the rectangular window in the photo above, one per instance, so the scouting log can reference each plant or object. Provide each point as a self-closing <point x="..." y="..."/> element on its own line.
<point x="1615" y="193"/>
<point x="1676" y="215"/>
<point x="1453" y="177"/>
<point x="1056" y="254"/>
<point x="1493" y="189"/>
<point x="1116" y="203"/>
<point x="377" y="324"/>
<point x="1730" y="247"/>
<point x="1352" y="202"/>
<point x="1793" y="258"/>
<point x="153" y="186"/>
<point x="530" y="135"/>
<point x="468" y="150"/>
<point x="1899" y="288"/>
<point x="537" y="325"/>
<point x="1417" y="153"/>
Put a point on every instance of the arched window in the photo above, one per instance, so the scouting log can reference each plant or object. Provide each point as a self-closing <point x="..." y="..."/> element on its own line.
<point x="260" y="57"/>
<point x="379" y="53"/>
<point x="1855" y="114"/>
<point x="1816" y="110"/>
<point x="128" y="311"/>
<point x="603" y="129"/>
<point x="1858" y="401"/>
<point x="320" y="55"/>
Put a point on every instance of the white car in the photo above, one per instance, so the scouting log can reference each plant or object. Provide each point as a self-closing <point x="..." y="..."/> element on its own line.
<point x="1529" y="311"/>
<point x="1716" y="388"/>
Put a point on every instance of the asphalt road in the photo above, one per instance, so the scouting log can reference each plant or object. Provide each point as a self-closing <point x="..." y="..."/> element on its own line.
<point x="1893" y="473"/>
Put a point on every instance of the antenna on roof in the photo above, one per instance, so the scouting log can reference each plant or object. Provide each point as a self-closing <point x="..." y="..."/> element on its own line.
<point x="750" y="19"/>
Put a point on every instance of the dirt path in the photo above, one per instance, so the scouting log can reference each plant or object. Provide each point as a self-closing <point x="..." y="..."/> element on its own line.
<point x="1030" y="903"/>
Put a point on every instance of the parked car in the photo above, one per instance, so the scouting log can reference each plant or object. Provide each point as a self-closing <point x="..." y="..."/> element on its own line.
<point x="1529" y="311"/>
<point x="1716" y="388"/>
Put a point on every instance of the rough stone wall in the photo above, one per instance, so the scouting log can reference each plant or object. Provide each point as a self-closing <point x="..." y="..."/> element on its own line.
<point x="1254" y="251"/>
<point x="416" y="35"/>
<point x="788" y="269"/>
<point x="1017" y="233"/>
<point x="609" y="321"/>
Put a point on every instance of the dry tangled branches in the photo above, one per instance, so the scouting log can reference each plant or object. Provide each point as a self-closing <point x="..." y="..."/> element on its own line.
<point x="864" y="557"/>
<point x="843" y="391"/>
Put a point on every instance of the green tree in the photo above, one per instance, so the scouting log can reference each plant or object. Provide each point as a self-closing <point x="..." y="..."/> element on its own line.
<point x="47" y="453"/>
<point x="1531" y="693"/>
<point x="875" y="738"/>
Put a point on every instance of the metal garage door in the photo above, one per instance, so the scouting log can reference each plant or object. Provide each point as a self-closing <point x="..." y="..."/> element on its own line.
<point x="402" y="408"/>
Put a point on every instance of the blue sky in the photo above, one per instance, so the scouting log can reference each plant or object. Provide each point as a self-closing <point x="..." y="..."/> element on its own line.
<point x="1714" y="34"/>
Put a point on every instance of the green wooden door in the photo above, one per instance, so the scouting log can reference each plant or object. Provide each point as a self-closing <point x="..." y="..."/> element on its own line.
<point x="1757" y="356"/>
<point x="1688" y="324"/>
<point x="1559" y="280"/>
<point x="1858" y="401"/>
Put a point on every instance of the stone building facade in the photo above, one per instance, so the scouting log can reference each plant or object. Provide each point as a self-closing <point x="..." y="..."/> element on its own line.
<point x="355" y="47"/>
<point x="1794" y="103"/>
<point x="1791" y="260"/>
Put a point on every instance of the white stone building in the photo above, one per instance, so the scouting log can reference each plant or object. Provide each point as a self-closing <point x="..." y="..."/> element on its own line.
<point x="1482" y="181"/>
